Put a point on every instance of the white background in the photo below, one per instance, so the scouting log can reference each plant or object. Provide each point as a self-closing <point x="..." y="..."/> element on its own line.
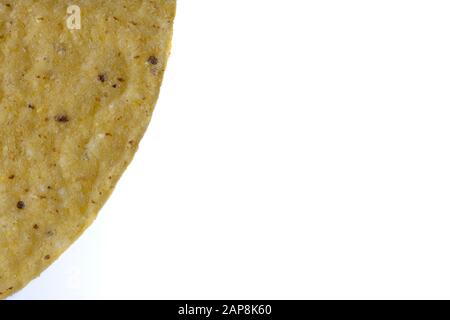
<point x="299" y="149"/>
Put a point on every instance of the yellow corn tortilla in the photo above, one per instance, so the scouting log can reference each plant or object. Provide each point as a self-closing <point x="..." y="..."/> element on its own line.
<point x="74" y="104"/>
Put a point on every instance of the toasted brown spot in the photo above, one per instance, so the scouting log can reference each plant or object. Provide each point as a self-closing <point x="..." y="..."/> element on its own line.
<point x="102" y="77"/>
<point x="20" y="204"/>
<point x="153" y="60"/>
<point x="47" y="257"/>
<point x="62" y="118"/>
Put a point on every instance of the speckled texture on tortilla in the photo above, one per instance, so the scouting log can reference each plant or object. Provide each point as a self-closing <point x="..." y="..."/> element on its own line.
<point x="74" y="105"/>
